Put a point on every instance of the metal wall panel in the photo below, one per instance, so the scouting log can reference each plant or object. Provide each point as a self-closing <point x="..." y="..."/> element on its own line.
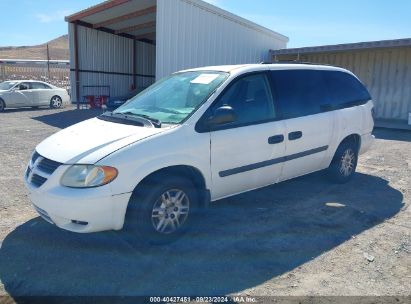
<point x="192" y="34"/>
<point x="104" y="52"/>
<point x="385" y="72"/>
<point x="145" y="63"/>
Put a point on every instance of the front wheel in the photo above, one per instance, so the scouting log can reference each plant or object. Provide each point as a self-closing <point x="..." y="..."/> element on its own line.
<point x="344" y="163"/>
<point x="161" y="210"/>
<point x="56" y="102"/>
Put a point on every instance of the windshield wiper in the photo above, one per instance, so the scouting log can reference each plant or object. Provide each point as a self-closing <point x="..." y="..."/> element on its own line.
<point x="155" y="122"/>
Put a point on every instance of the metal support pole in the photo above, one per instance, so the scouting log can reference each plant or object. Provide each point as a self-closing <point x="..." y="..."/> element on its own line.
<point x="48" y="62"/>
<point x="134" y="64"/>
<point x="76" y="65"/>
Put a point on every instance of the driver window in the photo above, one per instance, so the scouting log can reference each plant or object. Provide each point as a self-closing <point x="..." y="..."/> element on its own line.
<point x="251" y="99"/>
<point x="23" y="86"/>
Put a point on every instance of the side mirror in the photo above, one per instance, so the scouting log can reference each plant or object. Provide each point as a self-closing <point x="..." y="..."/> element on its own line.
<point x="222" y="115"/>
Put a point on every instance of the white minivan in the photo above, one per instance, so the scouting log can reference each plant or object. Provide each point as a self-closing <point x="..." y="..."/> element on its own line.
<point x="195" y="137"/>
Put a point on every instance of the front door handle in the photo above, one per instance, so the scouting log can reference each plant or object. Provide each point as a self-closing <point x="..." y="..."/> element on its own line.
<point x="275" y="139"/>
<point x="295" y="135"/>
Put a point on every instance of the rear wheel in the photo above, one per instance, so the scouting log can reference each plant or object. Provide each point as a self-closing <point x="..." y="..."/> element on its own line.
<point x="56" y="102"/>
<point x="161" y="210"/>
<point x="344" y="163"/>
<point x="2" y="105"/>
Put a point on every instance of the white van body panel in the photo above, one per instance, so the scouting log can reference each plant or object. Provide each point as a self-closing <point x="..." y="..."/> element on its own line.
<point x="317" y="133"/>
<point x="142" y="158"/>
<point x="89" y="141"/>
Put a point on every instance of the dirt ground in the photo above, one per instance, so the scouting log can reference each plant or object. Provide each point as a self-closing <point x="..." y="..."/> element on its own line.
<point x="304" y="237"/>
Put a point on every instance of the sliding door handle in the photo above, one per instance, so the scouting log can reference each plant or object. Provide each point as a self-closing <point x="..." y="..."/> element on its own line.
<point x="295" y="135"/>
<point x="275" y="139"/>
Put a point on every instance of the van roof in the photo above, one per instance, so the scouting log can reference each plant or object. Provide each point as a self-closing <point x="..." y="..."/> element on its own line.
<point x="272" y="66"/>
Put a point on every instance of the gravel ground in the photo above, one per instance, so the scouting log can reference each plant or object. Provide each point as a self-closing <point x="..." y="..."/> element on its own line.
<point x="303" y="237"/>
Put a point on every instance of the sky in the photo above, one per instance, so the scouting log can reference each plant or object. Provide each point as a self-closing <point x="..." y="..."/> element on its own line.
<point x="306" y="23"/>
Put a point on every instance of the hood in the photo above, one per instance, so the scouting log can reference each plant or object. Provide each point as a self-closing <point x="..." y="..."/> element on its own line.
<point x="89" y="141"/>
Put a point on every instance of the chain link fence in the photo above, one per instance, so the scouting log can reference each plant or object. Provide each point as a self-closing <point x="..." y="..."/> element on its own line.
<point x="56" y="73"/>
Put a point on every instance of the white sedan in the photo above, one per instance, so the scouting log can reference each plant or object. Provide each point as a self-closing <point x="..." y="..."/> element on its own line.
<point x="31" y="93"/>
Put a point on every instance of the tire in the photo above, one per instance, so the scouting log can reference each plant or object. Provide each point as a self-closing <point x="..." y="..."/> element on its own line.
<point x="344" y="163"/>
<point x="2" y="105"/>
<point x="149" y="220"/>
<point x="56" y="102"/>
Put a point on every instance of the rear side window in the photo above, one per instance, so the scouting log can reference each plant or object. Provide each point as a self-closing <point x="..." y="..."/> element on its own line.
<point x="39" y="85"/>
<point x="344" y="90"/>
<point x="299" y="92"/>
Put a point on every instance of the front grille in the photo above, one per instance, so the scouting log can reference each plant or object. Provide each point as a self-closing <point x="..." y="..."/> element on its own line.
<point x="40" y="169"/>
<point x="34" y="157"/>
<point x="48" y="166"/>
<point x="38" y="180"/>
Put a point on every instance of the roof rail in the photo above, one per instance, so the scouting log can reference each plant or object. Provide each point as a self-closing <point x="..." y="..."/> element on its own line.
<point x="299" y="62"/>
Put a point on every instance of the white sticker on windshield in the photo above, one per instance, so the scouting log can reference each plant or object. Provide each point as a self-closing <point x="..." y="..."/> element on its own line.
<point x="205" y="78"/>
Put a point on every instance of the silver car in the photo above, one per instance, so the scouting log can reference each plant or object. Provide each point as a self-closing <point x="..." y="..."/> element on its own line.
<point x="30" y="93"/>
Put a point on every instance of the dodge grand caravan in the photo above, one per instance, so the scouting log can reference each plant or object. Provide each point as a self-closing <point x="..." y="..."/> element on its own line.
<point x="195" y="137"/>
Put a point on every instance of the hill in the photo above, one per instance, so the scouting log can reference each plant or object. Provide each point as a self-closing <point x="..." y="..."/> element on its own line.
<point x="59" y="50"/>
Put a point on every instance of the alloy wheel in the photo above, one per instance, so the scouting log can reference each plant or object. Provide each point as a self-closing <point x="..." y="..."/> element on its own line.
<point x="56" y="102"/>
<point x="170" y="211"/>
<point x="347" y="162"/>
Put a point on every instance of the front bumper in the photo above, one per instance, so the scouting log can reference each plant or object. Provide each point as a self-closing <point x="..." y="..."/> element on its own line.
<point x="78" y="210"/>
<point x="367" y="141"/>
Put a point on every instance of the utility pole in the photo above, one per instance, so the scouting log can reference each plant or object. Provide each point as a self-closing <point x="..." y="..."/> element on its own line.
<point x="48" y="62"/>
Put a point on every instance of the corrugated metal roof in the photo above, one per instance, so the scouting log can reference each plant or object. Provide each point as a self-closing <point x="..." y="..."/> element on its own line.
<point x="113" y="9"/>
<point x="119" y="10"/>
<point x="345" y="47"/>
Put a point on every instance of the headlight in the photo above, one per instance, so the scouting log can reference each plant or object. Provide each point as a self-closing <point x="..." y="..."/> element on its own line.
<point x="88" y="176"/>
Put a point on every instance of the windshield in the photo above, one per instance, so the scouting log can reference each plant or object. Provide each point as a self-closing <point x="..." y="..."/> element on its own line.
<point x="174" y="98"/>
<point x="7" y="85"/>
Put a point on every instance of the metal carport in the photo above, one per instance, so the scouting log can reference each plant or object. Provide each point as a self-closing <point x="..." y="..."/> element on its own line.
<point x="131" y="43"/>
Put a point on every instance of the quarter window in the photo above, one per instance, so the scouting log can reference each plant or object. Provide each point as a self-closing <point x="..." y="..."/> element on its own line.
<point x="345" y="90"/>
<point x="251" y="99"/>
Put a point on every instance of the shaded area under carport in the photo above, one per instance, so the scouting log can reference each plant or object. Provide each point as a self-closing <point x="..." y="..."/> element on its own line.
<point x="67" y="118"/>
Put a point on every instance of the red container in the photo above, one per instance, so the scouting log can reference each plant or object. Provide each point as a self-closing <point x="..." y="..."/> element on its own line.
<point x="96" y="101"/>
<point x="90" y="100"/>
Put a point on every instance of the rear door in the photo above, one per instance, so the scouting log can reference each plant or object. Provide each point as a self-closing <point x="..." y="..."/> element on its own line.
<point x="42" y="93"/>
<point x="245" y="153"/>
<point x="302" y="97"/>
